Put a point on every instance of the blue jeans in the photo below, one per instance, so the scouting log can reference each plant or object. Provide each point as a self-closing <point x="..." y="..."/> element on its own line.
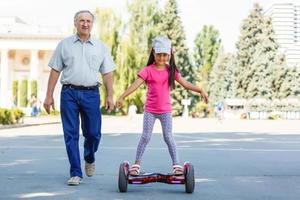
<point x="86" y="104"/>
<point x="34" y="111"/>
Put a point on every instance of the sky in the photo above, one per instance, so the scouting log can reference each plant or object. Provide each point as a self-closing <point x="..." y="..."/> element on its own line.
<point x="226" y="16"/>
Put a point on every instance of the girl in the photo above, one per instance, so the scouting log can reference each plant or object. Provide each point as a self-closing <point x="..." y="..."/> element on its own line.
<point x="159" y="78"/>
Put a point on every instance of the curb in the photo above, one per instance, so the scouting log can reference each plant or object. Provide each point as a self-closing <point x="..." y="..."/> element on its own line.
<point x="25" y="125"/>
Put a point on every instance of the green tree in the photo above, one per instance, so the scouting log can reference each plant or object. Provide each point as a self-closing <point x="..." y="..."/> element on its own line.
<point x="109" y="26"/>
<point x="171" y="26"/>
<point x="15" y="92"/>
<point x="230" y="77"/>
<point x="256" y="55"/>
<point x="33" y="88"/>
<point x="278" y="76"/>
<point x="290" y="87"/>
<point x="222" y="78"/>
<point x="207" y="45"/>
<point x="23" y="93"/>
<point x="262" y="67"/>
<point x="134" y="49"/>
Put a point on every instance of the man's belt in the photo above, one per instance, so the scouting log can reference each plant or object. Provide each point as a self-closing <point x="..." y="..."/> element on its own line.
<point x="80" y="87"/>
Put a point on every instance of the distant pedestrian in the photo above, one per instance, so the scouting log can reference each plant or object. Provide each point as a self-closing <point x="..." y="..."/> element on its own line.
<point x="219" y="110"/>
<point x="132" y="109"/>
<point x="34" y="106"/>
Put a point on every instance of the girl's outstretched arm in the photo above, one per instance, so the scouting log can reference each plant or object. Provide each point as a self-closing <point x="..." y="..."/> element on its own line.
<point x="135" y="85"/>
<point x="190" y="86"/>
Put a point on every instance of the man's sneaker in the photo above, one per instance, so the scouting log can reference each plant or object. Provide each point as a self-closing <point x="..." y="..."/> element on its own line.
<point x="74" y="180"/>
<point x="89" y="169"/>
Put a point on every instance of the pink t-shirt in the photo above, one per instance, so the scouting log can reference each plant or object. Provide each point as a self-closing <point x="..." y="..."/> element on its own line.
<point x="158" y="92"/>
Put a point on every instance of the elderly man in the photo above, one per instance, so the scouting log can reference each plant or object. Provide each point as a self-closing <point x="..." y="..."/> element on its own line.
<point x="80" y="58"/>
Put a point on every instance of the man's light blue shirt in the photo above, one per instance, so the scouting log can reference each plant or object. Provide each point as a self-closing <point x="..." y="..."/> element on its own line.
<point x="81" y="62"/>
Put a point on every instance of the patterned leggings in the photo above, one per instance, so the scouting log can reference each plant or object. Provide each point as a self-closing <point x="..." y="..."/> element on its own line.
<point x="166" y="123"/>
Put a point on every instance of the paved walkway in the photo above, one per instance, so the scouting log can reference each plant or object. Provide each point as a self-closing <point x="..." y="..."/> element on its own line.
<point x="233" y="160"/>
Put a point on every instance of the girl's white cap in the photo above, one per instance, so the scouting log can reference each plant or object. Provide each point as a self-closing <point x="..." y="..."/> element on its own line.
<point x="161" y="44"/>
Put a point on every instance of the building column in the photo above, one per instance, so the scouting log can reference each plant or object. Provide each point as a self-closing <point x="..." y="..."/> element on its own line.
<point x="4" y="96"/>
<point x="34" y="69"/>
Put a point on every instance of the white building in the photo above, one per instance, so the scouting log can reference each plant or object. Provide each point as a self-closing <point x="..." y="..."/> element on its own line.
<point x="286" y="24"/>
<point x="25" y="52"/>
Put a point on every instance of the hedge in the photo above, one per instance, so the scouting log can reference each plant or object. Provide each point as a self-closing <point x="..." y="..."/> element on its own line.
<point x="12" y="116"/>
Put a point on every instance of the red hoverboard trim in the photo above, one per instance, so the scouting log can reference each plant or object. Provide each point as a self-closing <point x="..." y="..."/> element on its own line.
<point x="156" y="177"/>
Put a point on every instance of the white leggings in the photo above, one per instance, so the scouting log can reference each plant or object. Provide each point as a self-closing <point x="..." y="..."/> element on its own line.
<point x="166" y="123"/>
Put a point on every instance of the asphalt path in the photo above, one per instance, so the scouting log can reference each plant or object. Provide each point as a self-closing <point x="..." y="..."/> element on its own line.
<point x="228" y="166"/>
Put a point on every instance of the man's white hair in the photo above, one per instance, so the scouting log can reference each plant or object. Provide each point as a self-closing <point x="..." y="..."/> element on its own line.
<point x="83" y="11"/>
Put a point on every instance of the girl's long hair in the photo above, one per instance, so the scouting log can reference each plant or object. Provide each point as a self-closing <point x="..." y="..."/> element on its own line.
<point x="172" y="70"/>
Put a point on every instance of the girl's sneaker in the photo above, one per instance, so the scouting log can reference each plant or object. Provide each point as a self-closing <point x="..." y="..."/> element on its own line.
<point x="134" y="170"/>
<point x="177" y="170"/>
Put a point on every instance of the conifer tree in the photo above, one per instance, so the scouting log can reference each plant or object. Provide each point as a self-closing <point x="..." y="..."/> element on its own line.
<point x="221" y="79"/>
<point x="256" y="55"/>
<point x="290" y="87"/>
<point x="171" y="27"/>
